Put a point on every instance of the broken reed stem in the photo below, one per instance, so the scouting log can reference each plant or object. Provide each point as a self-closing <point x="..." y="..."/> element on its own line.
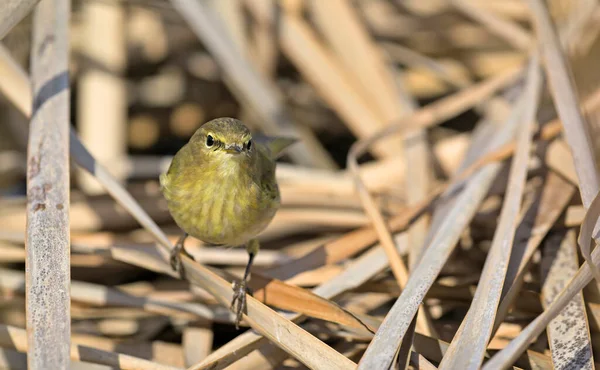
<point x="12" y="12"/>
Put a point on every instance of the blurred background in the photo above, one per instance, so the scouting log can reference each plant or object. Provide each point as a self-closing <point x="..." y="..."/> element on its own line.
<point x="146" y="74"/>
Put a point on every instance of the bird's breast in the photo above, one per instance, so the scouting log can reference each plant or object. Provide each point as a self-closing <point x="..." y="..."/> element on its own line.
<point x="228" y="207"/>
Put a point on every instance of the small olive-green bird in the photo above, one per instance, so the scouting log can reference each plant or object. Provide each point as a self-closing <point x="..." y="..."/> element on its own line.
<point x="221" y="188"/>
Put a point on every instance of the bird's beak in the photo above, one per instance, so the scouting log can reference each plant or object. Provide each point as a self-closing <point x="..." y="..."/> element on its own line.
<point x="233" y="149"/>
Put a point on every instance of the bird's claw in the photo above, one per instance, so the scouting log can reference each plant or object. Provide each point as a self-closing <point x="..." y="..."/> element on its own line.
<point x="240" y="289"/>
<point x="175" y="258"/>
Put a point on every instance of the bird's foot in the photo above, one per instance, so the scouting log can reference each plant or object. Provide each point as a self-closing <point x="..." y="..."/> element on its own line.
<point x="238" y="303"/>
<point x="175" y="258"/>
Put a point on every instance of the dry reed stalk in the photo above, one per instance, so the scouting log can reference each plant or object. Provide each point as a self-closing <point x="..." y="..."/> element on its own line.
<point x="159" y="352"/>
<point x="453" y="74"/>
<point x="197" y="343"/>
<point x="12" y="12"/>
<point x="15" y="83"/>
<point x="558" y="266"/>
<point x="538" y="219"/>
<point x="99" y="295"/>
<point x="101" y="85"/>
<point x="576" y="129"/>
<point x="511" y="32"/>
<point x="47" y="241"/>
<point x="264" y="49"/>
<point x="231" y="12"/>
<point x="358" y="54"/>
<point x="509" y="353"/>
<point x="514" y="9"/>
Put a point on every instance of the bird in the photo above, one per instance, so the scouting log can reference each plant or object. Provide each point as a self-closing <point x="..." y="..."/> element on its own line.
<point x="221" y="188"/>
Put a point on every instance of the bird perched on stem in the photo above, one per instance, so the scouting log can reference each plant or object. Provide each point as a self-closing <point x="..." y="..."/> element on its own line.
<point x="221" y="188"/>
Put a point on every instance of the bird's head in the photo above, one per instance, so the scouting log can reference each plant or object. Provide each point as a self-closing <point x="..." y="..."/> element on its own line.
<point x="223" y="137"/>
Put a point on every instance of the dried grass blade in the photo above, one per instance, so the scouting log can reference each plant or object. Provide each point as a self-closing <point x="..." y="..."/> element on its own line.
<point x="47" y="241"/>
<point x="568" y="333"/>
<point x="509" y="31"/>
<point x="410" y="58"/>
<point x="585" y="239"/>
<point x="12" y="12"/>
<point x="576" y="129"/>
<point x="397" y="265"/>
<point x="442" y="239"/>
<point x="560" y="160"/>
<point x="468" y="346"/>
<point x="537" y="221"/>
<point x="292" y="298"/>
<point x="352" y="44"/>
<point x="15" y="82"/>
<point x="197" y="343"/>
<point x="511" y="352"/>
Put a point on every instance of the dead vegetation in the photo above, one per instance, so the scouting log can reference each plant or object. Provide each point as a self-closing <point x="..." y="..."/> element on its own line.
<point x="439" y="212"/>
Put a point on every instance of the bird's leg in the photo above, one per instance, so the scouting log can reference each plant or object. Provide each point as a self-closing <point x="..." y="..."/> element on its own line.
<point x="175" y="258"/>
<point x="240" y="288"/>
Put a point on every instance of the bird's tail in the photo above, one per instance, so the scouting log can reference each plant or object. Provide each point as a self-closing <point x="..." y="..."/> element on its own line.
<point x="276" y="145"/>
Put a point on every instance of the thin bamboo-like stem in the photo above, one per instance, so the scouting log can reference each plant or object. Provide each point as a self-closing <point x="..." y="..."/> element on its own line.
<point x="559" y="265"/>
<point x="358" y="55"/>
<point x="15" y="82"/>
<point x="509" y="31"/>
<point x="12" y="12"/>
<point x="232" y="14"/>
<point x="565" y="98"/>
<point x="576" y="129"/>
<point x="101" y="85"/>
<point x="411" y="58"/>
<point x="541" y="216"/>
<point x="47" y="242"/>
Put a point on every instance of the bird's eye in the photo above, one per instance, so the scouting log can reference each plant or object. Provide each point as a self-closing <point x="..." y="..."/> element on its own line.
<point x="249" y="144"/>
<point x="210" y="141"/>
